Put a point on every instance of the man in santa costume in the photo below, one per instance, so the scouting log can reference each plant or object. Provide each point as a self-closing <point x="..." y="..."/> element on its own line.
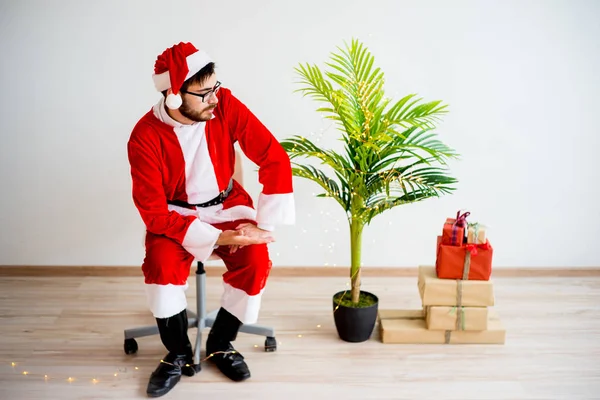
<point x="182" y="158"/>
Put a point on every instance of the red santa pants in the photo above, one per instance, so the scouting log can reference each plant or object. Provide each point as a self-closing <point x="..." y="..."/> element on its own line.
<point x="244" y="281"/>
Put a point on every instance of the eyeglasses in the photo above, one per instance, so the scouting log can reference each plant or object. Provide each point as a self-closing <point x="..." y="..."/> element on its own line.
<point x="208" y="95"/>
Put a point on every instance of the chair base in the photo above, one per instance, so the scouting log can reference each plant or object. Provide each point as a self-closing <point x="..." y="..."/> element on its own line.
<point x="199" y="320"/>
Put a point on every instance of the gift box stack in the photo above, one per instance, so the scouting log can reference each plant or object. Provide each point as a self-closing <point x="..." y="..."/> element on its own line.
<point x="457" y="294"/>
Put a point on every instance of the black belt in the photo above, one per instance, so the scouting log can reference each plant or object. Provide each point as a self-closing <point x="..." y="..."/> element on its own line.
<point x="217" y="200"/>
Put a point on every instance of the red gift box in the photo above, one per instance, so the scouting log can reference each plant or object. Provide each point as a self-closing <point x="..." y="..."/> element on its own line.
<point x="454" y="230"/>
<point x="467" y="262"/>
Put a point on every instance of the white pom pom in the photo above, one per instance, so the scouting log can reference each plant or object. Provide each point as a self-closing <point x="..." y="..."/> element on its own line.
<point x="174" y="101"/>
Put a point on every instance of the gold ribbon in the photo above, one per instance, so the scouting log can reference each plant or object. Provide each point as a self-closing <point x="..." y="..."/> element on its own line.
<point x="466" y="266"/>
<point x="460" y="316"/>
<point x="447" y="337"/>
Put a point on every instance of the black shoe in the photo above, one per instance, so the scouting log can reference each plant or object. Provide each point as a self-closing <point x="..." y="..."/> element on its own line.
<point x="230" y="362"/>
<point x="190" y="369"/>
<point x="220" y="350"/>
<point x="165" y="377"/>
<point x="179" y="360"/>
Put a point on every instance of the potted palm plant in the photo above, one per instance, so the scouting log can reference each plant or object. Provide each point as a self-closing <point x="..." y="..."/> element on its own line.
<point x="391" y="157"/>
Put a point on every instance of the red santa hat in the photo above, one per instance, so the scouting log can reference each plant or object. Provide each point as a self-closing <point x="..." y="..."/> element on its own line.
<point x="174" y="66"/>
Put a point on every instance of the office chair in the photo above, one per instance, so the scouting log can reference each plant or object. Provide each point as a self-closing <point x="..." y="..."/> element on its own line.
<point x="200" y="319"/>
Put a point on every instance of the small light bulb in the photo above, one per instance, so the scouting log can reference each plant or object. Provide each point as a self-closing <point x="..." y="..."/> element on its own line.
<point x="25" y="372"/>
<point x="13" y="364"/>
<point x="136" y="368"/>
<point x="299" y="335"/>
<point x="255" y="345"/>
<point x="318" y="326"/>
<point x="115" y="374"/>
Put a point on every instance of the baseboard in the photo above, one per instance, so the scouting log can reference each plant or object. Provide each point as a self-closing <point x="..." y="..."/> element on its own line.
<point x="127" y="271"/>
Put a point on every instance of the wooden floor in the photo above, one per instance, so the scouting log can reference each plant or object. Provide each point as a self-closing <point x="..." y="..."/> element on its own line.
<point x="54" y="329"/>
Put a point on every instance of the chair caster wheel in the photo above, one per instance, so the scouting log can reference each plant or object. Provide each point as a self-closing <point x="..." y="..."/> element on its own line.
<point x="130" y="346"/>
<point x="270" y="344"/>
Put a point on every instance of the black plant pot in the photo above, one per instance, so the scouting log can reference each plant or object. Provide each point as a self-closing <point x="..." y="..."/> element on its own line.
<point x="355" y="324"/>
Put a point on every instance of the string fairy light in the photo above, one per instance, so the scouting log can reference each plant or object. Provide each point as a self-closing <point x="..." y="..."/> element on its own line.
<point x="30" y="374"/>
<point x="94" y="379"/>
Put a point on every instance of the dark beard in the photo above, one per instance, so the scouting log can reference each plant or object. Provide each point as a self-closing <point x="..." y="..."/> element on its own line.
<point x="195" y="115"/>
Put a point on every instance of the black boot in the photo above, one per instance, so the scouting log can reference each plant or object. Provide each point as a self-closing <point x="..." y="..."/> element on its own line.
<point x="221" y="351"/>
<point x="179" y="360"/>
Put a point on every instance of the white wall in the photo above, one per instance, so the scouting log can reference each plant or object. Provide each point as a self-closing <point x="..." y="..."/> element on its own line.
<point x="521" y="79"/>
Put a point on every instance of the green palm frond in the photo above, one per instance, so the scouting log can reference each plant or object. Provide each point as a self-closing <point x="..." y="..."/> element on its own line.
<point x="391" y="156"/>
<point x="332" y="188"/>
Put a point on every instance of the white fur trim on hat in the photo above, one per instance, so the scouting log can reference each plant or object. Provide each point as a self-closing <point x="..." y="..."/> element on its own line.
<point x="174" y="101"/>
<point x="195" y="62"/>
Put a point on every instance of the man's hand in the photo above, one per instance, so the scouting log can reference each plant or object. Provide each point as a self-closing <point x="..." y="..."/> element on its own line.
<point x="253" y="231"/>
<point x="244" y="235"/>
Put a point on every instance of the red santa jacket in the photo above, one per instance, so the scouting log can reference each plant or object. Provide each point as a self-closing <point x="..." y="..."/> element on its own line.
<point x="193" y="163"/>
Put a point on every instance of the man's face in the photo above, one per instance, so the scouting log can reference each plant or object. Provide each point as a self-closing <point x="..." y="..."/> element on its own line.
<point x="193" y="107"/>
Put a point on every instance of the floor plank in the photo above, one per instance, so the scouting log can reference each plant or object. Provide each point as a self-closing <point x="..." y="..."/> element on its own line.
<point x="72" y="327"/>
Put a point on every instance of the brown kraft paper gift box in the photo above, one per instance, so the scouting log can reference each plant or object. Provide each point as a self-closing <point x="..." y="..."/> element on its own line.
<point x="456" y="318"/>
<point x="409" y="327"/>
<point x="476" y="233"/>
<point x="450" y="292"/>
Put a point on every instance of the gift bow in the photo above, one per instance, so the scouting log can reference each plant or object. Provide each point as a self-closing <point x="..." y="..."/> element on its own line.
<point x="472" y="251"/>
<point x="461" y="220"/>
